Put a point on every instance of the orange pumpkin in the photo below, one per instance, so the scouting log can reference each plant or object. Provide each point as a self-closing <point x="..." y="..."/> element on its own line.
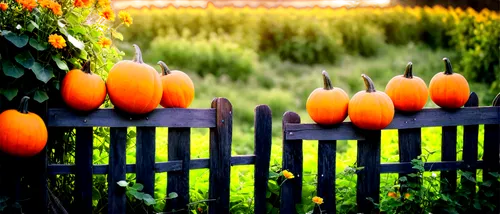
<point x="371" y="109"/>
<point x="327" y="105"/>
<point x="83" y="90"/>
<point x="178" y="88"/>
<point x="447" y="89"/>
<point x="134" y="86"/>
<point x="22" y="133"/>
<point x="407" y="92"/>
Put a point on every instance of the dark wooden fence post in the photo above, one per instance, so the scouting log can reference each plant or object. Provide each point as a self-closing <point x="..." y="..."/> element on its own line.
<point x="116" y="172"/>
<point x="449" y="153"/>
<point x="83" y="175"/>
<point x="178" y="181"/>
<point x="410" y="147"/>
<point x="291" y="190"/>
<point x="145" y="158"/>
<point x="368" y="183"/>
<point x="327" y="150"/>
<point x="491" y="155"/>
<point x="262" y="142"/>
<point x="220" y="157"/>
<point x="469" y="154"/>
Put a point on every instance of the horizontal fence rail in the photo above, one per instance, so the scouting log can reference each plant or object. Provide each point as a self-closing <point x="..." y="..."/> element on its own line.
<point x="409" y="139"/>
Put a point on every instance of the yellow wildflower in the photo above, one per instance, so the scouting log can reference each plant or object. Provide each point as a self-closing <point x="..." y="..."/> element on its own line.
<point x="57" y="41"/>
<point x="4" y="6"/>
<point x="104" y="42"/>
<point x="104" y="3"/>
<point x="317" y="200"/>
<point x="288" y="175"/>
<point x="125" y="17"/>
<point x="108" y="14"/>
<point x="56" y="8"/>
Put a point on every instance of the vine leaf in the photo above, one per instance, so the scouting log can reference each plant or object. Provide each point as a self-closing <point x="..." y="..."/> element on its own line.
<point x="42" y="73"/>
<point x="60" y="63"/>
<point x="25" y="59"/>
<point x="18" y="40"/>
<point x="148" y="199"/>
<point x="12" y="70"/>
<point x="40" y="96"/>
<point x="9" y="93"/>
<point x="32" y="26"/>
<point x="122" y="183"/>
<point x="38" y="46"/>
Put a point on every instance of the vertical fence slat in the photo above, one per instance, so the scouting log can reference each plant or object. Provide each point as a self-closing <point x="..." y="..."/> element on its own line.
<point x="368" y="182"/>
<point x="449" y="153"/>
<point x="145" y="158"/>
<point x="326" y="175"/>
<point x="410" y="147"/>
<point x="39" y="170"/>
<point x="178" y="181"/>
<point x="262" y="142"/>
<point x="220" y="157"/>
<point x="117" y="161"/>
<point x="291" y="190"/>
<point x="83" y="161"/>
<point x="491" y="155"/>
<point x="469" y="154"/>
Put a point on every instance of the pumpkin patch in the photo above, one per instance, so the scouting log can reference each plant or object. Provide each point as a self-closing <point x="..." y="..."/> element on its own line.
<point x="448" y="89"/>
<point x="408" y="93"/>
<point x="178" y="88"/>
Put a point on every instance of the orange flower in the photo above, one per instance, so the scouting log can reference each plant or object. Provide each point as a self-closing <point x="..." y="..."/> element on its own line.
<point x="317" y="200"/>
<point x="407" y="195"/>
<point x="57" y="41"/>
<point x="4" y="6"/>
<point x="44" y="3"/>
<point x="82" y="3"/>
<point x="56" y="8"/>
<point x="125" y="17"/>
<point x="104" y="42"/>
<point x="28" y="4"/>
<point x="288" y="175"/>
<point x="108" y="14"/>
<point x="392" y="195"/>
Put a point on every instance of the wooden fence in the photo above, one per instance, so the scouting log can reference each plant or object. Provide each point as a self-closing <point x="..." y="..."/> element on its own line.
<point x="368" y="156"/>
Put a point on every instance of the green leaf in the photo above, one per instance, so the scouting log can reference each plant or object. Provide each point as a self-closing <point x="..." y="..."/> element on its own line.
<point x="494" y="174"/>
<point x="117" y="35"/>
<point x="268" y="194"/>
<point x="75" y="42"/>
<point x="42" y="72"/>
<point x="138" y="195"/>
<point x="137" y="186"/>
<point x="18" y="40"/>
<point x="32" y="25"/>
<point x="122" y="183"/>
<point x="148" y="199"/>
<point x="82" y="54"/>
<point x="25" y="59"/>
<point x="9" y="93"/>
<point x="12" y="70"/>
<point x="96" y="195"/>
<point x="40" y="96"/>
<point x="172" y="195"/>
<point x="477" y="205"/>
<point x="38" y="46"/>
<point x="60" y="63"/>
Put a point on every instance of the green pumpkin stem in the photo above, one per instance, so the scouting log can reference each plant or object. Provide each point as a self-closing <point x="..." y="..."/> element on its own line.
<point x="409" y="71"/>
<point x="86" y="67"/>
<point x="23" y="106"/>
<point x="327" y="83"/>
<point x="164" y="68"/>
<point x="138" y="54"/>
<point x="370" y="87"/>
<point x="496" y="101"/>
<point x="447" y="64"/>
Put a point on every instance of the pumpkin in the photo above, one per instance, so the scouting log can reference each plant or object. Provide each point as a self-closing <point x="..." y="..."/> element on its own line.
<point x="448" y="89"/>
<point x="178" y="88"/>
<point x="134" y="86"/>
<point x="83" y="90"/>
<point x="371" y="109"/>
<point x="22" y="133"/>
<point x="327" y="105"/>
<point x="407" y="92"/>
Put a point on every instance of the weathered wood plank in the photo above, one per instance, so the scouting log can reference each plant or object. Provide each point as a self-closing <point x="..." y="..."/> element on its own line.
<point x="428" y="166"/>
<point x="83" y="162"/>
<point x="470" y="151"/>
<point x="491" y="155"/>
<point x="425" y="118"/>
<point x="178" y="181"/>
<point x="220" y="157"/>
<point x="368" y="182"/>
<point x="449" y="153"/>
<point x="160" y="117"/>
<point x="291" y="190"/>
<point x="326" y="175"/>
<point x="145" y="158"/>
<point x="262" y="142"/>
<point x="117" y="162"/>
<point x="410" y="147"/>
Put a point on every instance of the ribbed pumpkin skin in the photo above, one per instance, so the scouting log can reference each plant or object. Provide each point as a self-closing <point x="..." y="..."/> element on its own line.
<point x="134" y="86"/>
<point x="22" y="134"/>
<point x="408" y="94"/>
<point x="83" y="91"/>
<point x="449" y="90"/>
<point x="178" y="88"/>
<point x="370" y="109"/>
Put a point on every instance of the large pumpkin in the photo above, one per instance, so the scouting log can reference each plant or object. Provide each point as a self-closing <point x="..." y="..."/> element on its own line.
<point x="327" y="105"/>
<point x="22" y="133"/>
<point x="134" y="86"/>
<point x="407" y="92"/>
<point x="371" y="109"/>
<point x="447" y="89"/>
<point x="178" y="88"/>
<point x="83" y="90"/>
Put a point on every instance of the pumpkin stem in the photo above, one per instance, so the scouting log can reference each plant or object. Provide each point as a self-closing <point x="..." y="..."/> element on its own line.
<point x="23" y="106"/>
<point x="447" y="63"/>
<point x="164" y="68"/>
<point x="86" y="67"/>
<point x="370" y="87"/>
<point x="138" y="54"/>
<point x="409" y="71"/>
<point x="327" y="83"/>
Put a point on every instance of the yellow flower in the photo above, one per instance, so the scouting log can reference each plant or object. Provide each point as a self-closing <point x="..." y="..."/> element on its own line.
<point x="317" y="200"/>
<point x="108" y="14"/>
<point x="44" y="3"/>
<point x="407" y="195"/>
<point x="125" y="17"/>
<point x="56" y="8"/>
<point x="104" y="42"/>
<point x="82" y="3"/>
<point x="57" y="41"/>
<point x="104" y="3"/>
<point x="288" y="175"/>
<point x="28" y="4"/>
<point x="4" y="6"/>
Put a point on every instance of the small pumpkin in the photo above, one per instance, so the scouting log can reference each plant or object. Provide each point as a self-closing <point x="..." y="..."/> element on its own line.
<point x="448" y="89"/>
<point x="178" y="88"/>
<point x="408" y="93"/>
<point x="134" y="86"/>
<point x="83" y="90"/>
<point x="327" y="105"/>
<point x="22" y="133"/>
<point x="371" y="109"/>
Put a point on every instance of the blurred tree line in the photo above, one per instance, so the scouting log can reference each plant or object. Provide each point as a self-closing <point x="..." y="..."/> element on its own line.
<point x="478" y="5"/>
